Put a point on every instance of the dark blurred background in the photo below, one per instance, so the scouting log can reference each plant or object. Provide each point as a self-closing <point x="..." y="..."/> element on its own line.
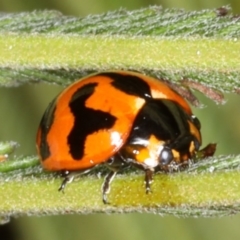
<point x="20" y="119"/>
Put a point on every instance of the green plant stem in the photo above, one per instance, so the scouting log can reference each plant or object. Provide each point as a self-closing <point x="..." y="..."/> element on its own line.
<point x="73" y="52"/>
<point x="182" y="194"/>
<point x="63" y="59"/>
<point x="207" y="188"/>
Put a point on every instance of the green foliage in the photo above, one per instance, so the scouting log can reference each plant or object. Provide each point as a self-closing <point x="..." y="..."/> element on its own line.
<point x="151" y="21"/>
<point x="170" y="44"/>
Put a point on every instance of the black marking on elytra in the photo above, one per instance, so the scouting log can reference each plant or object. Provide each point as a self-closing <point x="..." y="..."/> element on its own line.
<point x="129" y="84"/>
<point x="86" y="120"/>
<point x="45" y="126"/>
<point x="164" y="119"/>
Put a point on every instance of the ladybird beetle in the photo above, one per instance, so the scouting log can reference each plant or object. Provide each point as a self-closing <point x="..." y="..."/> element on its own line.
<point x="121" y="119"/>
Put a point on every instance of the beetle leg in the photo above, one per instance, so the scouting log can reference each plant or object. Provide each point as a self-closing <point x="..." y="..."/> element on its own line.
<point x="68" y="178"/>
<point x="148" y="180"/>
<point x="106" y="185"/>
<point x="115" y="164"/>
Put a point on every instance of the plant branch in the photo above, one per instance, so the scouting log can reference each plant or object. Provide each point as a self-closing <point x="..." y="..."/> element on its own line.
<point x="168" y="44"/>
<point x="208" y="188"/>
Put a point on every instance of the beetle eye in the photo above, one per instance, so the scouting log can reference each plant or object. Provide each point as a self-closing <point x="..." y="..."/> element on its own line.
<point x="166" y="156"/>
<point x="196" y="122"/>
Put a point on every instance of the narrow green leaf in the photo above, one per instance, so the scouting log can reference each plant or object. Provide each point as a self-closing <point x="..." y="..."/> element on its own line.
<point x="151" y="21"/>
<point x="166" y="43"/>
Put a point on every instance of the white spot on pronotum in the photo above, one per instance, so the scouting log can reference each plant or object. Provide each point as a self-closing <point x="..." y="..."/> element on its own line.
<point x="198" y="53"/>
<point x="154" y="153"/>
<point x="160" y="149"/>
<point x="151" y="162"/>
